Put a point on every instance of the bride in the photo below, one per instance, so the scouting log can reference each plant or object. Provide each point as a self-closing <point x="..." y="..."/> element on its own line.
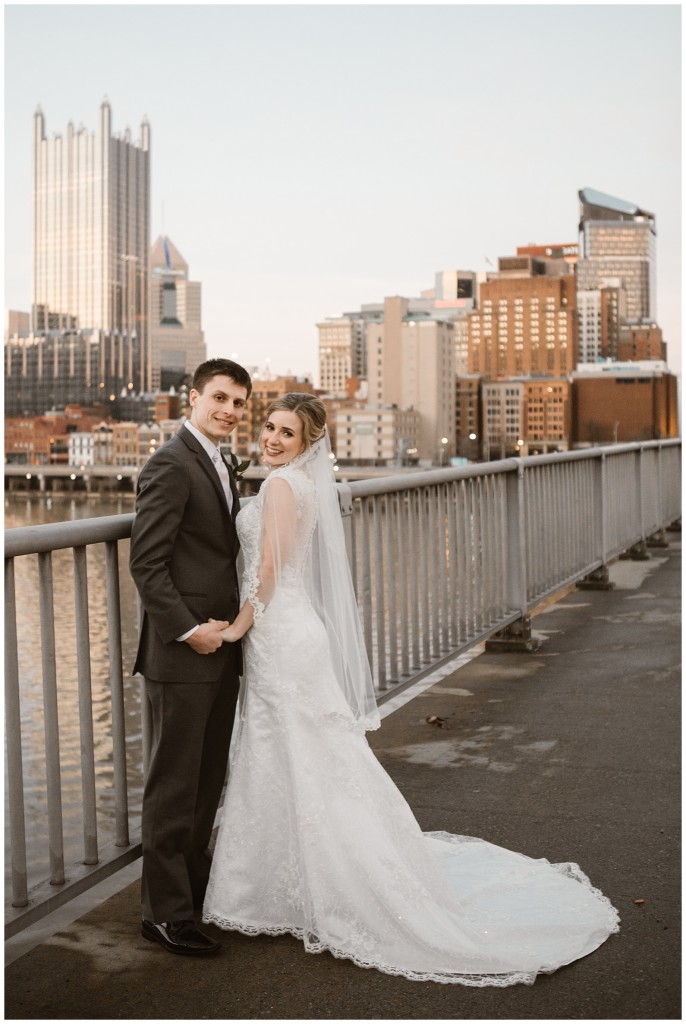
<point x="315" y="840"/>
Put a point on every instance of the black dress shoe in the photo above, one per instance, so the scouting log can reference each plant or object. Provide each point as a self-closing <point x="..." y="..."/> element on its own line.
<point x="180" y="937"/>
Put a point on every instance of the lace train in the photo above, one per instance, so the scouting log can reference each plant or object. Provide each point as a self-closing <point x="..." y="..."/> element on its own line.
<point x="313" y="944"/>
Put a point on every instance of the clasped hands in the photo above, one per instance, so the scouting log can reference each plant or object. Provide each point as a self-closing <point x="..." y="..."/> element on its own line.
<point x="210" y="635"/>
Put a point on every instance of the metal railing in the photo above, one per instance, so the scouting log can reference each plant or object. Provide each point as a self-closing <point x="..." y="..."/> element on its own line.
<point x="441" y="560"/>
<point x="448" y="558"/>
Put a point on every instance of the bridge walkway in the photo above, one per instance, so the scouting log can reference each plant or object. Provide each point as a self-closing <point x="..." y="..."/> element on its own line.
<point x="569" y="753"/>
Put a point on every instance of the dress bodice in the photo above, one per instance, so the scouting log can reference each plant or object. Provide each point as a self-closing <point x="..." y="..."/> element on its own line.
<point x="250" y="522"/>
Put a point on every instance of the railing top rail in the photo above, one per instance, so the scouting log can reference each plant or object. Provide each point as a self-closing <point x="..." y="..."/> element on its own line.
<point x="382" y="485"/>
<point x="29" y="540"/>
<point x="597" y="451"/>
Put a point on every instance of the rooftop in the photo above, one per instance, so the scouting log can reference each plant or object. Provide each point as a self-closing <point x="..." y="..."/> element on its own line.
<point x="595" y="203"/>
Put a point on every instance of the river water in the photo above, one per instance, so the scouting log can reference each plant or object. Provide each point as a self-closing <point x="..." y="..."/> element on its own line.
<point x="32" y="510"/>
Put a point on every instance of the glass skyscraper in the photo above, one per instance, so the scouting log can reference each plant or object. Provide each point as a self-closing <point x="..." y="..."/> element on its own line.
<point x="91" y="237"/>
<point x="617" y="240"/>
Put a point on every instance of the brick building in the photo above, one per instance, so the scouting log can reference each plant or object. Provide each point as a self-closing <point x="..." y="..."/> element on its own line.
<point x="525" y="325"/>
<point x="623" y="402"/>
<point x="639" y="342"/>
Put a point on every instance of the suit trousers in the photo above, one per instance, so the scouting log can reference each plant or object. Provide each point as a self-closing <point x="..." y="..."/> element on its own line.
<point x="191" y="734"/>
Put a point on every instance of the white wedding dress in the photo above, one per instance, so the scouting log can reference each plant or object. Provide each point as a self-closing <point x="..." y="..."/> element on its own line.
<point x="316" y="840"/>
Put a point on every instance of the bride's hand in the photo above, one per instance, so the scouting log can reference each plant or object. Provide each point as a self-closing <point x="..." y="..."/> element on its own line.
<point x="228" y="635"/>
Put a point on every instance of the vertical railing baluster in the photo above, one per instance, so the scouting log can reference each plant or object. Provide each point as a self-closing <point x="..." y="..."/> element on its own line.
<point x="121" y="800"/>
<point x="413" y="589"/>
<point x="502" y="543"/>
<point x="366" y="584"/>
<point x="518" y="484"/>
<point x="590" y="505"/>
<point x="453" y="549"/>
<point x="403" y="571"/>
<point x="461" y="564"/>
<point x="423" y="566"/>
<point x="563" y="488"/>
<point x="481" y="561"/>
<point x="471" y="559"/>
<point x="83" y="667"/>
<point x="391" y="534"/>
<point x="15" y="767"/>
<point x="432" y="551"/>
<point x="603" y="510"/>
<point x="379" y="594"/>
<point x="550" y="533"/>
<point x="492" y="600"/>
<point x="445" y="555"/>
<point x="354" y="553"/>
<point x="533" y="514"/>
<point x="51" y="719"/>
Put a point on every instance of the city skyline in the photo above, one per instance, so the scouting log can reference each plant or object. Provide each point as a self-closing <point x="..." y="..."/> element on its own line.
<point x="309" y="159"/>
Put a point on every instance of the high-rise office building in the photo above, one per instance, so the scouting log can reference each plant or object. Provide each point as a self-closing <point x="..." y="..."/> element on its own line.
<point x="601" y="312"/>
<point x="525" y="324"/>
<point x="342" y="351"/>
<point x="454" y="295"/>
<point x="91" y="234"/>
<point x="51" y="369"/>
<point x="177" y="342"/>
<point x="411" y="364"/>
<point x="617" y="240"/>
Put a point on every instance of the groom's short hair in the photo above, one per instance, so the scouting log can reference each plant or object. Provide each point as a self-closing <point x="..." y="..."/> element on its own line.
<point x="224" y="368"/>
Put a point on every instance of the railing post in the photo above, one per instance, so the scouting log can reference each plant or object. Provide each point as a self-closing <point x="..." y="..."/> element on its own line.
<point x="639" y="552"/>
<point x="345" y="501"/>
<point x="599" y="578"/>
<point x="90" y="820"/>
<point x="15" y="769"/>
<point x="518" y="636"/>
<point x="658" y="539"/>
<point x="51" y="726"/>
<point x="121" y="801"/>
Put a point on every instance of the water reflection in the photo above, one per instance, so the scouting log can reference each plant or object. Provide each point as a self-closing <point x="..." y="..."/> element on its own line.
<point x="26" y="510"/>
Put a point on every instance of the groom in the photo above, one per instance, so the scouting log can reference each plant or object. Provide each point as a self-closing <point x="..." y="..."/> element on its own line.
<point x="183" y="562"/>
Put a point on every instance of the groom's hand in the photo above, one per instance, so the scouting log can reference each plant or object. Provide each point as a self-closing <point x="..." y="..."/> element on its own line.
<point x="206" y="639"/>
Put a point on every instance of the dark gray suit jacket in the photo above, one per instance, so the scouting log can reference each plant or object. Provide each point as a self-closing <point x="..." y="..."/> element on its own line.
<point x="183" y="561"/>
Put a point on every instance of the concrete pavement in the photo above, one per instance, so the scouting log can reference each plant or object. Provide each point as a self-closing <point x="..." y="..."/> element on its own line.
<point x="569" y="753"/>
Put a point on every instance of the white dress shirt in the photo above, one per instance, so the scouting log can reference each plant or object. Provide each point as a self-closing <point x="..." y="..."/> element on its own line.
<point x="223" y="474"/>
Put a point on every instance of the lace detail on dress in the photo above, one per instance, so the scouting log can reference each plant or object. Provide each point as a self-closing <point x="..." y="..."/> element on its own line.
<point x="313" y="944"/>
<point x="251" y="585"/>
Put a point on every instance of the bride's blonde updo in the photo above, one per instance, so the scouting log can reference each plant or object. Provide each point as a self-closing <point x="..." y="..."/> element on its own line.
<point x="309" y="409"/>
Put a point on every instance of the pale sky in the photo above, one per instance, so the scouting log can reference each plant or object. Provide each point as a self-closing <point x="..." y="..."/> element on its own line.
<point x="308" y="158"/>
